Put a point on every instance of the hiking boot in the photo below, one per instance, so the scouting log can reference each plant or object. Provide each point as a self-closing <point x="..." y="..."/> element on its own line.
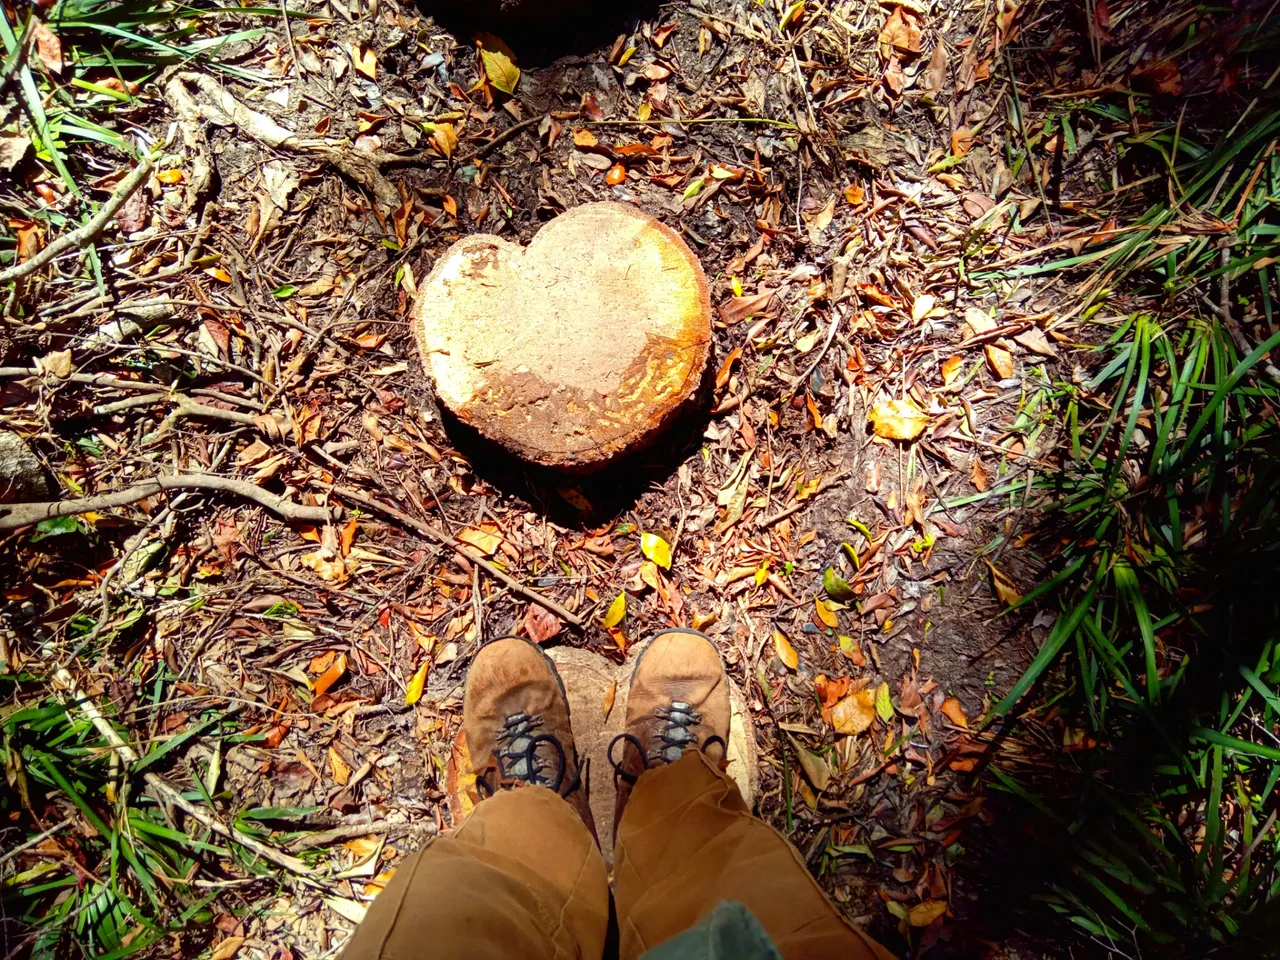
<point x="679" y="700"/>
<point x="516" y="717"/>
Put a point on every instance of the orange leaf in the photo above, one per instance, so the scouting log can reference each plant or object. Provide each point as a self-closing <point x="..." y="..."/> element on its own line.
<point x="169" y="176"/>
<point x="952" y="710"/>
<point x="855" y="713"/>
<point x="855" y="194"/>
<point x="616" y="175"/>
<point x="1000" y="361"/>
<point x="951" y="368"/>
<point x="336" y="671"/>
<point x="961" y="141"/>
<point x="348" y="535"/>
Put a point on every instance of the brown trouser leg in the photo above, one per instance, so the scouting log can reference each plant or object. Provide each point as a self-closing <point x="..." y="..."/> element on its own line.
<point x="523" y="878"/>
<point x="688" y="841"/>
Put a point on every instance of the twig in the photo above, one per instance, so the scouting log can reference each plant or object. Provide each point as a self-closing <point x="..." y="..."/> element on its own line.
<point x="37" y="839"/>
<point x="799" y="505"/>
<point x="14" y="515"/>
<point x="1223" y="310"/>
<point x="166" y="790"/>
<point x="83" y="234"/>
<point x="836" y="320"/>
<point x="351" y="831"/>
<point x="427" y="530"/>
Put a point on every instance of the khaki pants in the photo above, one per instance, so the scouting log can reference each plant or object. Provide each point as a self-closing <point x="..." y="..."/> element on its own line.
<point x="522" y="877"/>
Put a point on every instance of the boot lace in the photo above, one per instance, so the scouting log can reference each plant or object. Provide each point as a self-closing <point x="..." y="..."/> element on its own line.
<point x="674" y="736"/>
<point x="518" y="759"/>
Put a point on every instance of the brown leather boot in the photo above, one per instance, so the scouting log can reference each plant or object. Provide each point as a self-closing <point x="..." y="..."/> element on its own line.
<point x="679" y="701"/>
<point x="516" y="717"/>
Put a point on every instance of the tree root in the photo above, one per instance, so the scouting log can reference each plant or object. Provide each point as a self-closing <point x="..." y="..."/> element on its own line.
<point x="225" y="110"/>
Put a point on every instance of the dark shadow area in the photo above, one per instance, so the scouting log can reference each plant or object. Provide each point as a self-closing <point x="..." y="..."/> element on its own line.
<point x="1105" y="813"/>
<point x="583" y="500"/>
<point x="541" y="33"/>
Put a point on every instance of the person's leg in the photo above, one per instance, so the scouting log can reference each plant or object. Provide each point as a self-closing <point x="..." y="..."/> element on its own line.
<point x="522" y="877"/>
<point x="686" y="841"/>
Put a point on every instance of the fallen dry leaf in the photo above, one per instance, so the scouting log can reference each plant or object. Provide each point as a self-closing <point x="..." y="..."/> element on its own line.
<point x="606" y="707"/>
<point x="953" y="711"/>
<point x="923" y="914"/>
<point x="417" y="683"/>
<point x="785" y="651"/>
<point x="999" y="360"/>
<point x="339" y="769"/>
<point x="540" y="624"/>
<point x="335" y="671"/>
<point x="364" y="60"/>
<point x="855" y="713"/>
<point x="898" y="420"/>
<point x="951" y="368"/>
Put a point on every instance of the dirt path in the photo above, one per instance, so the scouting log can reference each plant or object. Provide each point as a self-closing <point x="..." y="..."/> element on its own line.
<point x="833" y="168"/>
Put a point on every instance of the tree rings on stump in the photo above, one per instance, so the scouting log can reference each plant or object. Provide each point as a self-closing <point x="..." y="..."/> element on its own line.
<point x="576" y="349"/>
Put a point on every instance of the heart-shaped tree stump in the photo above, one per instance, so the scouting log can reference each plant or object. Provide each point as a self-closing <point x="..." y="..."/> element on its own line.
<point x="576" y="349"/>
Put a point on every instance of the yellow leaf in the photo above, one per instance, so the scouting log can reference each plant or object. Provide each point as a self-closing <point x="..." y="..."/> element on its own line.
<point x="923" y="914"/>
<point x="1000" y="360"/>
<point x="792" y="17"/>
<point x="227" y="949"/>
<point x="951" y="368"/>
<point x="364" y="60"/>
<point x="644" y="111"/>
<point x="338" y="768"/>
<point x="922" y="305"/>
<point x="219" y="274"/>
<point x="363" y="847"/>
<point x="825" y="613"/>
<point x="1004" y="587"/>
<point x="502" y="73"/>
<point x="486" y="541"/>
<point x="656" y="549"/>
<point x="762" y="574"/>
<point x="649" y="574"/>
<point x="413" y="693"/>
<point x="898" y="420"/>
<point x="585" y="138"/>
<point x="169" y="176"/>
<point x="785" y="651"/>
<point x="854" y="713"/>
<point x="617" y="610"/>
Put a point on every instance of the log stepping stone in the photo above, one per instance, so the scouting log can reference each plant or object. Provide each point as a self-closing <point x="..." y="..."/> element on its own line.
<point x="574" y="350"/>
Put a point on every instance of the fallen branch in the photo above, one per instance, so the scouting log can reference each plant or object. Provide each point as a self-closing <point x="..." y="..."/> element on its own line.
<point x="352" y="831"/>
<point x="14" y="515"/>
<point x="427" y="530"/>
<point x="83" y="234"/>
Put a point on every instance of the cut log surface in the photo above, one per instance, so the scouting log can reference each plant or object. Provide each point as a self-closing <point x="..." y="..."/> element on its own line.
<point x="576" y="349"/>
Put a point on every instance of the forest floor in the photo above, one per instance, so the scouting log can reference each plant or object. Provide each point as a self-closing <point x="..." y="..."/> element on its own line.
<point x="842" y="170"/>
